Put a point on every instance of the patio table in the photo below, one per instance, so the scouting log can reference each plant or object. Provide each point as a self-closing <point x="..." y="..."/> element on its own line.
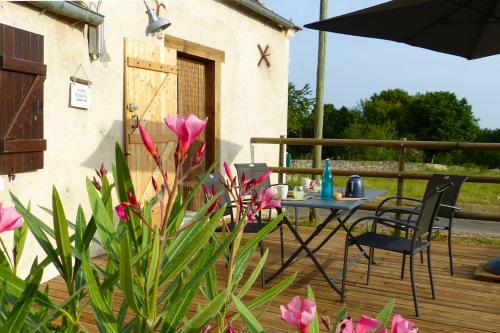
<point x="341" y="210"/>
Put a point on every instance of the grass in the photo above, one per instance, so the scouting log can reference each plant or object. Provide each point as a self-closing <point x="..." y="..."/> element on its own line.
<point x="473" y="196"/>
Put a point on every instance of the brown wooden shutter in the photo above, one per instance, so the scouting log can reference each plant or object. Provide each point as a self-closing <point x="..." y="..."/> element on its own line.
<point x="22" y="74"/>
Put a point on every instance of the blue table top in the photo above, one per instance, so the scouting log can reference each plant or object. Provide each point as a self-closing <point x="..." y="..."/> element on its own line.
<point x="314" y="201"/>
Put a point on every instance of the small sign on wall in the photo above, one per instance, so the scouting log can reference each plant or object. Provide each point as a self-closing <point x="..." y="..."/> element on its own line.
<point x="80" y="95"/>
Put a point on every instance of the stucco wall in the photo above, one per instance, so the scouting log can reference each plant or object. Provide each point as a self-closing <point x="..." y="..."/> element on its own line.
<point x="253" y="101"/>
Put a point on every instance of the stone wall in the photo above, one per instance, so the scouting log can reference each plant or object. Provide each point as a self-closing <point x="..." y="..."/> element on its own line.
<point x="370" y="165"/>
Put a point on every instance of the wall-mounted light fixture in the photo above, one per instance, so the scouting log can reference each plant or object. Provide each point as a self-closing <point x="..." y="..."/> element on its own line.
<point x="156" y="24"/>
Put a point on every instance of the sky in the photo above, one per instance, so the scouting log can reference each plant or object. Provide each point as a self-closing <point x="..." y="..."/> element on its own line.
<point x="358" y="67"/>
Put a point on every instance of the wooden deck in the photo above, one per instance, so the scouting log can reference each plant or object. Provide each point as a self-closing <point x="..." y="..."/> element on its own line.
<point x="462" y="304"/>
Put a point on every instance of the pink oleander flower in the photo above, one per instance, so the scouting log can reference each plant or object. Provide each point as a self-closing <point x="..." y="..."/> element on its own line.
<point x="230" y="329"/>
<point x="96" y="184"/>
<point x="266" y="200"/>
<point x="210" y="194"/>
<point x="262" y="177"/>
<point x="229" y="174"/>
<point x="345" y="326"/>
<point x="401" y="325"/>
<point x="148" y="143"/>
<point x="154" y="183"/>
<point x="101" y="172"/>
<point x="122" y="211"/>
<point x="9" y="219"/>
<point x="199" y="155"/>
<point x="300" y="313"/>
<point x="187" y="129"/>
<point x="252" y="218"/>
<point x="134" y="204"/>
<point x="365" y="325"/>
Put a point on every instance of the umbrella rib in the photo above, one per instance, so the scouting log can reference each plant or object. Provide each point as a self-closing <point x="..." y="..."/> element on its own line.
<point x="489" y="14"/>
<point x="481" y="31"/>
<point x="438" y="20"/>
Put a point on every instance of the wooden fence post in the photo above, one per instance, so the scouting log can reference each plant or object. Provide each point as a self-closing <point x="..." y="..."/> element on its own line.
<point x="281" y="160"/>
<point x="402" y="160"/>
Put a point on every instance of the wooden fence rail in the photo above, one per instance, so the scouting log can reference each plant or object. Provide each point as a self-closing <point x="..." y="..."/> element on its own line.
<point x="400" y="175"/>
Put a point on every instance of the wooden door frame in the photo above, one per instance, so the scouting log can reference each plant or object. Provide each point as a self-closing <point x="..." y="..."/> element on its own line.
<point x="213" y="59"/>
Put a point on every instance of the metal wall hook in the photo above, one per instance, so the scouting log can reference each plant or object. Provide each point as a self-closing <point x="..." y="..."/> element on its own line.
<point x="136" y="125"/>
<point x="11" y="175"/>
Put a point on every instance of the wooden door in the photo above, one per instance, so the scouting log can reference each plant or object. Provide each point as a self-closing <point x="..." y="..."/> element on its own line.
<point x="193" y="83"/>
<point x="150" y="95"/>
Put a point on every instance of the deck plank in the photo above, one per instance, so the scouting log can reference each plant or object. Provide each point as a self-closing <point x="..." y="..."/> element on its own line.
<point x="462" y="303"/>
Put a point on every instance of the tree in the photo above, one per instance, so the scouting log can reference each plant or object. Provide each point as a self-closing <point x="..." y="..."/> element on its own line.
<point x="489" y="159"/>
<point x="335" y="124"/>
<point x="441" y="116"/>
<point x="300" y="122"/>
<point x="388" y="107"/>
<point x="371" y="131"/>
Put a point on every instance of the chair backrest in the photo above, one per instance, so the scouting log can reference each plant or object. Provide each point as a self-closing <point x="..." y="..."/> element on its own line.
<point x="214" y="180"/>
<point x="429" y="209"/>
<point x="450" y="196"/>
<point x="254" y="171"/>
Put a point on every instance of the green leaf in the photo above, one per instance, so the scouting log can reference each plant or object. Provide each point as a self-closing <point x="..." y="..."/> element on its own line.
<point x="153" y="263"/>
<point x="197" y="187"/>
<point x="314" y="326"/>
<point x="15" y="286"/>
<point x="19" y="241"/>
<point x="72" y="225"/>
<point x="258" y="237"/>
<point x="244" y="256"/>
<point x="81" y="222"/>
<point x="62" y="235"/>
<point x="211" y="283"/>
<point x="180" y="297"/>
<point x="341" y="315"/>
<point x="208" y="312"/>
<point x="18" y="315"/>
<point x="269" y="294"/>
<point x="102" y="310"/>
<point x="205" y="263"/>
<point x="106" y="195"/>
<point x="123" y="181"/>
<point x="255" y="274"/>
<point x="35" y="226"/>
<point x="252" y="322"/>
<point x="188" y="244"/>
<point x="385" y="314"/>
<point x="103" y="223"/>
<point x="127" y="275"/>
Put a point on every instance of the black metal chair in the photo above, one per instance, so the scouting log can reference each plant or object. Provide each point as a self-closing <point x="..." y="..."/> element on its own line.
<point x="420" y="228"/>
<point x="446" y="210"/>
<point x="214" y="180"/>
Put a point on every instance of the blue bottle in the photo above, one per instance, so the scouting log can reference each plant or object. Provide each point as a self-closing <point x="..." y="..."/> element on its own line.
<point x="327" y="182"/>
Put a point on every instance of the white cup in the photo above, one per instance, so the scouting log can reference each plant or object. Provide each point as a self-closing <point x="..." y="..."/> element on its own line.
<point x="298" y="193"/>
<point x="306" y="182"/>
<point x="282" y="191"/>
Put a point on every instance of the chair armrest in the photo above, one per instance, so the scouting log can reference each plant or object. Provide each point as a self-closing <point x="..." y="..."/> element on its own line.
<point x="401" y="210"/>
<point x="394" y="198"/>
<point x="379" y="219"/>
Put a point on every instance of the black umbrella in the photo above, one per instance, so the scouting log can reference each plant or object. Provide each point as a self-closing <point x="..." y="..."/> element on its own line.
<point x="466" y="28"/>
